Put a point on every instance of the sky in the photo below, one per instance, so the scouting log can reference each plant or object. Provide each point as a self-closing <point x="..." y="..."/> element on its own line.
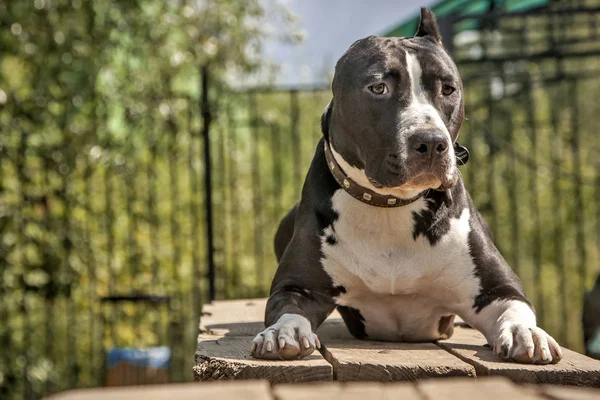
<point x="329" y="27"/>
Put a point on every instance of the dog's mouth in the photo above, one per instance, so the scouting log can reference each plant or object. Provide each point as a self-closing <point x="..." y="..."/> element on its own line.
<point x="375" y="183"/>
<point x="440" y="179"/>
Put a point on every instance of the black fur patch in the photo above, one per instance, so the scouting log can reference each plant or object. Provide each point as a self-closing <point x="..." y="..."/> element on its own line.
<point x="285" y="232"/>
<point x="325" y="217"/>
<point x="325" y="120"/>
<point x="354" y="321"/>
<point x="434" y="222"/>
<point x="338" y="290"/>
<point x="497" y="279"/>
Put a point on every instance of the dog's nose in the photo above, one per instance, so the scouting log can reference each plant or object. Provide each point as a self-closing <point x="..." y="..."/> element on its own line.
<point x="428" y="144"/>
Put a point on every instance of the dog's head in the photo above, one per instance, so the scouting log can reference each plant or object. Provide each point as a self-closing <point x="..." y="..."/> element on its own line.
<point x="396" y="111"/>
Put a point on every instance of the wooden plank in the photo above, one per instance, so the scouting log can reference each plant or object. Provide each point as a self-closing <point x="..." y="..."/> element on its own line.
<point x="251" y="390"/>
<point x="317" y="391"/>
<point x="356" y="360"/>
<point x="567" y="393"/>
<point x="228" y="358"/>
<point x="574" y="369"/>
<point x="350" y="391"/>
<point x="233" y="317"/>
<point x="228" y="328"/>
<point x="489" y="388"/>
<point x="370" y="361"/>
<point x="380" y="391"/>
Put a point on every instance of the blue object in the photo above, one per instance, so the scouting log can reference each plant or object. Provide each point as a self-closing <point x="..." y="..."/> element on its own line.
<point x="155" y="357"/>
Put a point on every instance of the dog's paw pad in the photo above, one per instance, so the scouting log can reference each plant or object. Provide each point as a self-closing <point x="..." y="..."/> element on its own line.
<point x="289" y="338"/>
<point x="527" y="345"/>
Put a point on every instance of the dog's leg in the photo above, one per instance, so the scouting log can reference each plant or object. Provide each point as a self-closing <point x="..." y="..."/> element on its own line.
<point x="302" y="293"/>
<point x="291" y="335"/>
<point x="500" y="310"/>
<point x="301" y="296"/>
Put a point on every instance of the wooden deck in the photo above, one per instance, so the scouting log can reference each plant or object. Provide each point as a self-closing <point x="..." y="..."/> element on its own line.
<point x="228" y="327"/>
<point x="490" y="388"/>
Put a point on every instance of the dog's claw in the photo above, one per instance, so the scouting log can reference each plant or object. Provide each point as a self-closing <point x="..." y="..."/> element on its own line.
<point x="305" y="342"/>
<point x="530" y="352"/>
<point x="545" y="355"/>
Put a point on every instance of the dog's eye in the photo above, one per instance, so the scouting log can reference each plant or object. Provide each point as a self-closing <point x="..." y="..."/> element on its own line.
<point x="447" y="90"/>
<point x="379" y="88"/>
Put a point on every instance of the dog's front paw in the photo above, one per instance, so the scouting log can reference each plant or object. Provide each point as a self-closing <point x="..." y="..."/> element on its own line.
<point x="527" y="345"/>
<point x="289" y="338"/>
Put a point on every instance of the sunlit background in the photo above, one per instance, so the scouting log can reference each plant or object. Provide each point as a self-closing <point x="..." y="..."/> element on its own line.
<point x="148" y="149"/>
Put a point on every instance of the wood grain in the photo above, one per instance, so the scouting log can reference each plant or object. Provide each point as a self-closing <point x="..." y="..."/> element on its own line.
<point x="233" y="317"/>
<point x="489" y="388"/>
<point x="228" y="358"/>
<point x="555" y="392"/>
<point x="350" y="391"/>
<point x="380" y="391"/>
<point x="255" y="390"/>
<point x="573" y="369"/>
<point x="356" y="360"/>
<point x="317" y="391"/>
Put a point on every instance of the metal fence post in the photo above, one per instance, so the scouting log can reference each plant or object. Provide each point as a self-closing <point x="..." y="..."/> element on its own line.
<point x="206" y="121"/>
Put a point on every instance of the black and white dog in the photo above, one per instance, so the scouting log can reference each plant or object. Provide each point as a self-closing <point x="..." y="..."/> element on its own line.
<point x="385" y="230"/>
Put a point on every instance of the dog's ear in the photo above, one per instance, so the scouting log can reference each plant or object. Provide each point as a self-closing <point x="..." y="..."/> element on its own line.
<point x="428" y="26"/>
<point x="325" y="119"/>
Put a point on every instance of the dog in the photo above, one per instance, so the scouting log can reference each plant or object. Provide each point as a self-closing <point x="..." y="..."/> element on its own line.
<point x="385" y="230"/>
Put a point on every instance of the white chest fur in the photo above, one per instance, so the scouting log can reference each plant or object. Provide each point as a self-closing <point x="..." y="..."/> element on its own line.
<point x="375" y="254"/>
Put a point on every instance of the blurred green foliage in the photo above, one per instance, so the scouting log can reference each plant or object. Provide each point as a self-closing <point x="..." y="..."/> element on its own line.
<point x="98" y="109"/>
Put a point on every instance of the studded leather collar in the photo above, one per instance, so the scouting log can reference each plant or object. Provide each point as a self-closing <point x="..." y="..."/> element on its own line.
<point x="370" y="197"/>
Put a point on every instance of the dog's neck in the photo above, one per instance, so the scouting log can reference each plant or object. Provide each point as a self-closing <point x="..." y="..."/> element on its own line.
<point x="355" y="182"/>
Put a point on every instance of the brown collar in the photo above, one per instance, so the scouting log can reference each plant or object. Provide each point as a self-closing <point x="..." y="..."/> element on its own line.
<point x="360" y="192"/>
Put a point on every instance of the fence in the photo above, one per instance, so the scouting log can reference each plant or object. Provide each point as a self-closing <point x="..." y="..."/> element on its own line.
<point x="126" y="214"/>
<point x="98" y="239"/>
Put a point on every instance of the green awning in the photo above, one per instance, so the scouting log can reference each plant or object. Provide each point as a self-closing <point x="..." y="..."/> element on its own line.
<point x="465" y="7"/>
